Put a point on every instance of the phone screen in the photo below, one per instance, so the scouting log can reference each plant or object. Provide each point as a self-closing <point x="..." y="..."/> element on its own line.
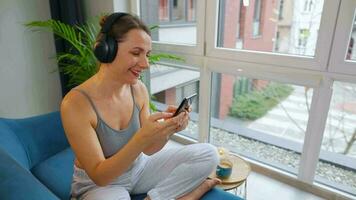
<point x="184" y="105"/>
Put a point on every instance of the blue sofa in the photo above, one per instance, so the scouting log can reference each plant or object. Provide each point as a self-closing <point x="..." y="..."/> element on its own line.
<point x="36" y="161"/>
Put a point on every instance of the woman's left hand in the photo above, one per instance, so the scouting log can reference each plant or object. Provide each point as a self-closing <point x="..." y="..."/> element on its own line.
<point x="183" y="117"/>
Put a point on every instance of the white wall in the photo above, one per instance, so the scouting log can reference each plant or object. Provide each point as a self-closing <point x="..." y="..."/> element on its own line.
<point x="27" y="86"/>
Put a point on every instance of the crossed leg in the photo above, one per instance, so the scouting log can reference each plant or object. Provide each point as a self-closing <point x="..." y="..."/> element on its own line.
<point x="178" y="173"/>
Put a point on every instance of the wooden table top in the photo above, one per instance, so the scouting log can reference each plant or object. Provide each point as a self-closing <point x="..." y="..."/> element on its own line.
<point x="240" y="171"/>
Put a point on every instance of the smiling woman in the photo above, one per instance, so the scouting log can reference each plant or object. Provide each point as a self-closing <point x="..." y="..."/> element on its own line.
<point x="117" y="142"/>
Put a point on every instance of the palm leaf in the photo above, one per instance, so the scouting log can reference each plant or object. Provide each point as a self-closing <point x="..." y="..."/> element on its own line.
<point x="80" y="62"/>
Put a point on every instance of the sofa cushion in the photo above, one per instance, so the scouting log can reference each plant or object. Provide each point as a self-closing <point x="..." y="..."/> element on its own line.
<point x="10" y="143"/>
<point x="56" y="173"/>
<point x="215" y="194"/>
<point x="18" y="183"/>
<point x="41" y="136"/>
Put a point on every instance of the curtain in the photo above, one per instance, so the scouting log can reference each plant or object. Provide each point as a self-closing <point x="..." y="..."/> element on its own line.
<point x="70" y="12"/>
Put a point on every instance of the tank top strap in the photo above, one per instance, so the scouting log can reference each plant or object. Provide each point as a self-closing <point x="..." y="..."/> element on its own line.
<point x="133" y="96"/>
<point x="89" y="99"/>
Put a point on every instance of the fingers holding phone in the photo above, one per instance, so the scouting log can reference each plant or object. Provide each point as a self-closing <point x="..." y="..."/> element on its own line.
<point x="184" y="121"/>
<point x="185" y="104"/>
<point x="171" y="109"/>
<point x="183" y="112"/>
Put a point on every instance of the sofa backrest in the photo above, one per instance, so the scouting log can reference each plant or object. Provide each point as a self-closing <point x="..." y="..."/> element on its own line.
<point x="33" y="139"/>
<point x="11" y="144"/>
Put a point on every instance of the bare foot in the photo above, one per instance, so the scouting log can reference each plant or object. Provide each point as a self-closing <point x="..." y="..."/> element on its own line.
<point x="201" y="189"/>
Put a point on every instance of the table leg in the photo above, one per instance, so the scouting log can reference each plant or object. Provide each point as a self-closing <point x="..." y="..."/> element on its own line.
<point x="245" y="193"/>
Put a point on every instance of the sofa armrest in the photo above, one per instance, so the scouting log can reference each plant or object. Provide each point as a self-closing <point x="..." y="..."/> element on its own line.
<point x="18" y="183"/>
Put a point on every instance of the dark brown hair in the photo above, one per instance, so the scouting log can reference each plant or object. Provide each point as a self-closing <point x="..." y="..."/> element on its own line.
<point x="123" y="25"/>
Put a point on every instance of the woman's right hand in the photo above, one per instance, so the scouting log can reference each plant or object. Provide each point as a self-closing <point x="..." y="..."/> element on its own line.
<point x="155" y="129"/>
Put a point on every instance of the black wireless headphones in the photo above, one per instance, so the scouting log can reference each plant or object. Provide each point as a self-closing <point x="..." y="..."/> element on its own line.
<point x="105" y="47"/>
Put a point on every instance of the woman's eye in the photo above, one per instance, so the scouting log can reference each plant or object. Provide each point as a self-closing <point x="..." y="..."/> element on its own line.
<point x="136" y="53"/>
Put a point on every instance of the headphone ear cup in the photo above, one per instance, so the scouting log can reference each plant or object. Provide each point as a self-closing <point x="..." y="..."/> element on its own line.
<point x="105" y="49"/>
<point x="112" y="45"/>
<point x="101" y="49"/>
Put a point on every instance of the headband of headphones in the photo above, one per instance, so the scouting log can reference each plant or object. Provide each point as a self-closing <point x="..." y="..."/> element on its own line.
<point x="111" y="20"/>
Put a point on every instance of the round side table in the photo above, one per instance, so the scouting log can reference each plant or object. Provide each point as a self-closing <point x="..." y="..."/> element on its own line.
<point x="240" y="171"/>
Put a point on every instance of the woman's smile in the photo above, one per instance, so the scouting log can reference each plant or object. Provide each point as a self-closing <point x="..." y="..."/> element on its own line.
<point x="135" y="72"/>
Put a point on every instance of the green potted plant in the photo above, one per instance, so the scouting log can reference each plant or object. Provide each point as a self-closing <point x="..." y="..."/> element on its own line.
<point x="80" y="63"/>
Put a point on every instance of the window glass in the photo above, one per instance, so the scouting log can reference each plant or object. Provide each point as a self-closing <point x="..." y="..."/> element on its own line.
<point x="257" y="18"/>
<point x="263" y="120"/>
<point x="173" y="17"/>
<point x="169" y="85"/>
<point x="351" y="53"/>
<point x="163" y="11"/>
<point x="281" y="26"/>
<point x="337" y="161"/>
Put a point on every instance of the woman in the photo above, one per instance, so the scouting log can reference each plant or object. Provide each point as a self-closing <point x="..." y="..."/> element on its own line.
<point x="116" y="141"/>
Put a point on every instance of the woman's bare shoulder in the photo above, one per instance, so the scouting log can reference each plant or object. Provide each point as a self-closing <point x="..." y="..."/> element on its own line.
<point x="73" y="99"/>
<point x="76" y="105"/>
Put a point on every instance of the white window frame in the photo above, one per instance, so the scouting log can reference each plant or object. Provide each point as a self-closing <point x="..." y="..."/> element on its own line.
<point x="343" y="30"/>
<point x="318" y="62"/>
<point x="318" y="72"/>
<point x="197" y="49"/>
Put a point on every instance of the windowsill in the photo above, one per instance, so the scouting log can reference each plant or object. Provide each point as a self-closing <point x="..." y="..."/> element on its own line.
<point x="278" y="175"/>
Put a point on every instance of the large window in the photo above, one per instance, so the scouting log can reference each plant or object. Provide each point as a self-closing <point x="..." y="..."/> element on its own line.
<point x="276" y="80"/>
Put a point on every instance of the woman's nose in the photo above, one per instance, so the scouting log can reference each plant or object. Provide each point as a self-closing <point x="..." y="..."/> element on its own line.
<point x="144" y="62"/>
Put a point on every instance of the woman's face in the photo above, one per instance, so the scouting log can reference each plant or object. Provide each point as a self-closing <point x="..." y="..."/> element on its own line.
<point x="132" y="56"/>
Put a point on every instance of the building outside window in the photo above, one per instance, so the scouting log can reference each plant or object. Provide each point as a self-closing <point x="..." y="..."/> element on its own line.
<point x="173" y="17"/>
<point x="308" y="5"/>
<point x="256" y="31"/>
<point x="280" y="11"/>
<point x="164" y="11"/>
<point x="177" y="11"/>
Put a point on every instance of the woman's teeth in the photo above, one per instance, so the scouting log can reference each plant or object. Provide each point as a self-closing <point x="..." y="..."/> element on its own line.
<point x="136" y="73"/>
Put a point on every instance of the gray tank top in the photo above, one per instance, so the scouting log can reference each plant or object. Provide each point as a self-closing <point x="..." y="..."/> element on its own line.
<point x="112" y="140"/>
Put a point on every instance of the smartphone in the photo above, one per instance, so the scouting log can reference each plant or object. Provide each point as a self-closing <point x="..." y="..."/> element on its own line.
<point x="184" y="105"/>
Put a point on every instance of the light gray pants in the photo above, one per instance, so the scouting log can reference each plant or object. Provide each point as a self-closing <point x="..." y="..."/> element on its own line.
<point x="168" y="174"/>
